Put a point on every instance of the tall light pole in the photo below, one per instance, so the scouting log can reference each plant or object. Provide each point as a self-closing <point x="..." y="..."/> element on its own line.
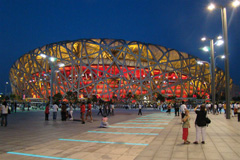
<point x="235" y="3"/>
<point x="53" y="68"/>
<point x="212" y="72"/>
<point x="6" y="88"/>
<point x="212" y="66"/>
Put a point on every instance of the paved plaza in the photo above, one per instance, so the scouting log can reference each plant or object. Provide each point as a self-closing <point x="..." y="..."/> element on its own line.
<point x="152" y="136"/>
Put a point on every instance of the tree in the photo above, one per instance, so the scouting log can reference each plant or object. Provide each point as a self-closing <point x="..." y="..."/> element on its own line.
<point x="160" y="97"/>
<point x="57" y="97"/>
<point x="71" y="97"/>
<point x="12" y="97"/>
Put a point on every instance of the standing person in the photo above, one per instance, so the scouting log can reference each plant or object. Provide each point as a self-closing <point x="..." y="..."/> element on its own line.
<point x="183" y="107"/>
<point x="83" y="108"/>
<point x="100" y="109"/>
<point x="55" y="109"/>
<point x="215" y="108"/>
<point x="70" y="112"/>
<point x="4" y="110"/>
<point x="64" y="112"/>
<point x="208" y="106"/>
<point x="15" y="107"/>
<point x="185" y="126"/>
<point x="89" y="111"/>
<point x="220" y="107"/>
<point x="224" y="107"/>
<point x="139" y="109"/>
<point x="176" y="107"/>
<point x="46" y="112"/>
<point x="169" y="107"/>
<point x="113" y="107"/>
<point x="232" y="109"/>
<point x="200" y="123"/>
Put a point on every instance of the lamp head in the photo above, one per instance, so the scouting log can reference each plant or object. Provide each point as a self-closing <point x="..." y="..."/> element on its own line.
<point x="43" y="55"/>
<point x="211" y="7"/>
<point x="236" y="3"/>
<point x="52" y="59"/>
<point x="206" y="49"/>
<point x="219" y="42"/>
<point x="203" y="39"/>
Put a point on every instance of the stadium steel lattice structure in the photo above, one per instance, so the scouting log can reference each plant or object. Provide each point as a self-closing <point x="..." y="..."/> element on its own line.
<point x="107" y="67"/>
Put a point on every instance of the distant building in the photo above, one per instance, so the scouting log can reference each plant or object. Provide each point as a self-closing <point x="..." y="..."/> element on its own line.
<point x="108" y="67"/>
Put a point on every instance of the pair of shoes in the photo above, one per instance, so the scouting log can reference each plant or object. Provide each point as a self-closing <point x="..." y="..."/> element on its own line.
<point x="187" y="142"/>
<point x="83" y="122"/>
<point x="195" y="142"/>
<point x="203" y="142"/>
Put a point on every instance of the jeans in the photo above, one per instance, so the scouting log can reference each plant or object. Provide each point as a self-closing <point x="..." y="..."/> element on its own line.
<point x="54" y="115"/>
<point x="4" y="119"/>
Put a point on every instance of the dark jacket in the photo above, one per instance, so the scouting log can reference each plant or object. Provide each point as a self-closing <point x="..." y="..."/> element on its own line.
<point x="201" y="118"/>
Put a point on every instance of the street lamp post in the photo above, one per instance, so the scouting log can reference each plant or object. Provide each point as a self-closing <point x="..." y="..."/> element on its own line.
<point x="53" y="68"/>
<point x="235" y="3"/>
<point x="212" y="71"/>
<point x="212" y="65"/>
<point x="6" y="88"/>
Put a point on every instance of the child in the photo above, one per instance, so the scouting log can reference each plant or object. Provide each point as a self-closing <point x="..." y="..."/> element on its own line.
<point x="104" y="123"/>
<point x="186" y="125"/>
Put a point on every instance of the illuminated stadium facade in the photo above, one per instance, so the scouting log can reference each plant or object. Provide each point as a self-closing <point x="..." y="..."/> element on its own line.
<point x="107" y="68"/>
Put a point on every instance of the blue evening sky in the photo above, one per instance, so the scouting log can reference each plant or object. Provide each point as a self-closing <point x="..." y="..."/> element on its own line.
<point x="177" y="24"/>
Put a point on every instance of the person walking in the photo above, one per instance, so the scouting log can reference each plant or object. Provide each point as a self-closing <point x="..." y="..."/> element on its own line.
<point x="4" y="109"/>
<point x="100" y="109"/>
<point x="185" y="126"/>
<point x="46" y="112"/>
<point x="55" y="110"/>
<point x="200" y="123"/>
<point x="89" y="111"/>
<point x="83" y="108"/>
<point x="139" y="109"/>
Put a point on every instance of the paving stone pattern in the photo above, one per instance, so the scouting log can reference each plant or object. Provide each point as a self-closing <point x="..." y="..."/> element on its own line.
<point x="27" y="132"/>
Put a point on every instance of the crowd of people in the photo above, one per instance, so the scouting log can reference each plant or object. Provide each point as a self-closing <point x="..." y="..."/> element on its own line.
<point x="67" y="111"/>
<point x="201" y="121"/>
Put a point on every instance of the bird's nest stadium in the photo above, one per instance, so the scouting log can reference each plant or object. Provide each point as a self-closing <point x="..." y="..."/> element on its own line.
<point x="109" y="67"/>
